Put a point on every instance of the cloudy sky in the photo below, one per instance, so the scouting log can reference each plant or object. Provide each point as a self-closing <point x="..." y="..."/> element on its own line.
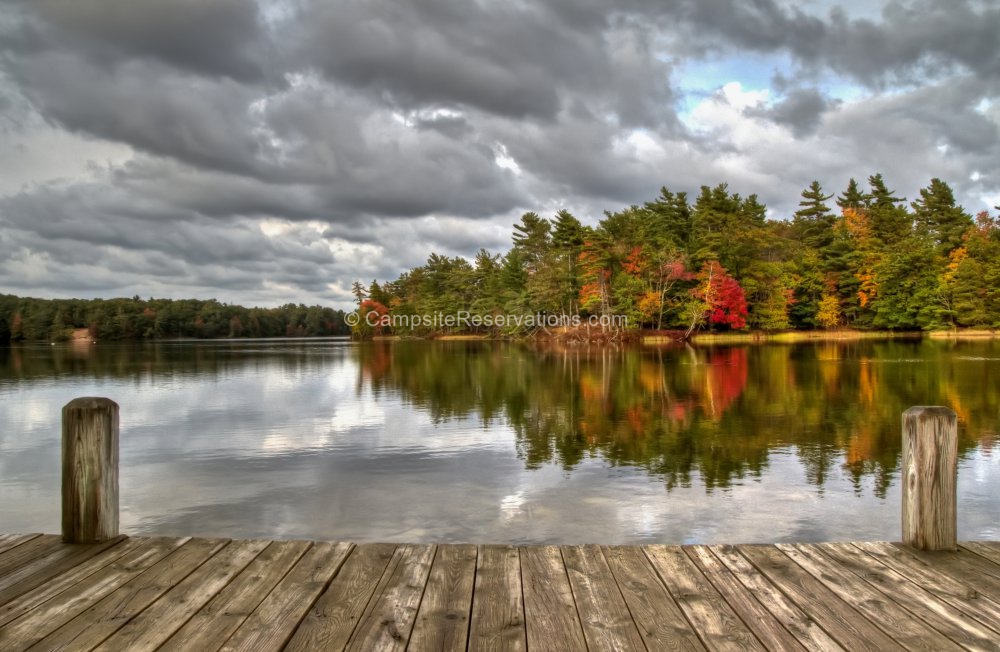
<point x="274" y="151"/>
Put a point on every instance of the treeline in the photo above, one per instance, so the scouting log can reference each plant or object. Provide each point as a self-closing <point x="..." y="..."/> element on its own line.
<point x="24" y="318"/>
<point x="863" y="259"/>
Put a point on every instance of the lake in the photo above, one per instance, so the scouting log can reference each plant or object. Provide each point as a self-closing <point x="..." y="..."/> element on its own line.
<point x="503" y="442"/>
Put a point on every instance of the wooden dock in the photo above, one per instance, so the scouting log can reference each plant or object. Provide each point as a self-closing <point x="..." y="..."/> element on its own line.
<point x="203" y="594"/>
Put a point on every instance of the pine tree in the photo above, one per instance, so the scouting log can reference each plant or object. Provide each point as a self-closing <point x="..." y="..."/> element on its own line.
<point x="937" y="216"/>
<point x="531" y="237"/>
<point x="377" y="294"/>
<point x="359" y="292"/>
<point x="669" y="219"/>
<point x="813" y="221"/>
<point x="728" y="228"/>
<point x="890" y="221"/>
<point x="852" y="197"/>
<point x="567" y="243"/>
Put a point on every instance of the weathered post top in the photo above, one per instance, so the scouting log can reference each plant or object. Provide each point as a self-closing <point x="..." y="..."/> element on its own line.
<point x="930" y="478"/>
<point x="89" y="470"/>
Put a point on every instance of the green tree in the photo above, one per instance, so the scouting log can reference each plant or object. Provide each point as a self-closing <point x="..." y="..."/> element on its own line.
<point x="937" y="216"/>
<point x="814" y="221"/>
<point x="852" y="197"/>
<point x="890" y="221"/>
<point x="531" y="237"/>
<point x="669" y="220"/>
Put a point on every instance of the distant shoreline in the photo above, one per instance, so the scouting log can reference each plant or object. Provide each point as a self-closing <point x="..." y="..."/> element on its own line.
<point x="80" y="336"/>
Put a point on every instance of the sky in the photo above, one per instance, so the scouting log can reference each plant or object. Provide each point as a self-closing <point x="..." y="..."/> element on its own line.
<point x="275" y="151"/>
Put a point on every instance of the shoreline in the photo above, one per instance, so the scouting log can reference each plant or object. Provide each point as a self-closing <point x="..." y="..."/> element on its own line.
<point x="650" y="337"/>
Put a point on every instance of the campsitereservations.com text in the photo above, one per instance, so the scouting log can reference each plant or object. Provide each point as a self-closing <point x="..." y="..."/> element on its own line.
<point x="464" y="319"/>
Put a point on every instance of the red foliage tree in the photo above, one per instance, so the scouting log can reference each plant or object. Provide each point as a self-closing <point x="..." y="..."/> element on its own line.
<point x="373" y="315"/>
<point x="721" y="295"/>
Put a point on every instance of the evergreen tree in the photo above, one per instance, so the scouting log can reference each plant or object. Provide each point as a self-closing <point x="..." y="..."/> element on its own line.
<point x="733" y="231"/>
<point x="359" y="292"/>
<point x="531" y="237"/>
<point x="669" y="219"/>
<point x="890" y="222"/>
<point x="937" y="216"/>
<point x="377" y="294"/>
<point x="567" y="243"/>
<point x="852" y="197"/>
<point x="813" y="221"/>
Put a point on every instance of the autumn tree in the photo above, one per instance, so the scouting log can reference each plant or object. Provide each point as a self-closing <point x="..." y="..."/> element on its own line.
<point x="717" y="299"/>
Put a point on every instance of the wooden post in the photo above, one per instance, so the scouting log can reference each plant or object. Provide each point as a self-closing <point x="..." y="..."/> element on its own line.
<point x="89" y="470"/>
<point x="930" y="476"/>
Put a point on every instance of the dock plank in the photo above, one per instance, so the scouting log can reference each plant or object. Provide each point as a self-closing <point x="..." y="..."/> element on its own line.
<point x="10" y="541"/>
<point x="715" y="621"/>
<point x="968" y="567"/>
<point x="981" y="548"/>
<point x="837" y="618"/>
<point x="938" y="613"/>
<point x="607" y="622"/>
<point x="17" y="556"/>
<point x="145" y="594"/>
<point x="879" y="608"/>
<point x="331" y="621"/>
<point x="498" y="604"/>
<point x="945" y="587"/>
<point x="214" y="623"/>
<point x="388" y="620"/>
<point x="60" y="560"/>
<point x="800" y="624"/>
<point x="273" y="622"/>
<point x="29" y="627"/>
<point x="551" y="618"/>
<point x="660" y="622"/>
<point x="98" y="622"/>
<point x="16" y="607"/>
<point x="151" y="628"/>
<point x="443" y="619"/>
<point x="761" y="622"/>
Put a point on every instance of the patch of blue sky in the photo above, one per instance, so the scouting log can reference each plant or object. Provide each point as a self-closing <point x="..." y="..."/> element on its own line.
<point x="700" y="78"/>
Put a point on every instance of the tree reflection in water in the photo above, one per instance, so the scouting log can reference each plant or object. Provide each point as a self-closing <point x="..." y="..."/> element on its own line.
<point x="677" y="410"/>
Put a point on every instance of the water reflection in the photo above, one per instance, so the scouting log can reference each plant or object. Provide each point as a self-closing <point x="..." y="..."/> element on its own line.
<point x="475" y="441"/>
<point x="715" y="411"/>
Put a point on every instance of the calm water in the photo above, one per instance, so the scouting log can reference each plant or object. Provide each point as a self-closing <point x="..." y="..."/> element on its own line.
<point x="474" y="441"/>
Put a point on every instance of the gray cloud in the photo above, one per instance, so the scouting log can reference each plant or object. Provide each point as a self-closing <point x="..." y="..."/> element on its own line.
<point x="270" y="151"/>
<point x="801" y="110"/>
<point x="217" y="38"/>
<point x="908" y="42"/>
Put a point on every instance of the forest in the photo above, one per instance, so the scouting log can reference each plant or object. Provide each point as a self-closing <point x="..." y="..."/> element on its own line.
<point x="135" y="318"/>
<point x="861" y="259"/>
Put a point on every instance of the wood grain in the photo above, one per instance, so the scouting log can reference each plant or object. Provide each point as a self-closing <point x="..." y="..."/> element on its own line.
<point x="879" y="608"/>
<point x="389" y="618"/>
<point x="716" y="622"/>
<point x="549" y="609"/>
<point x="89" y="470"/>
<point x="331" y="621"/>
<point x="660" y="622"/>
<point x="498" y="608"/>
<point x="443" y="620"/>
<point x="761" y="622"/>
<point x="837" y="618"/>
<point x="929" y="478"/>
<point x="216" y="621"/>
<point x="274" y="621"/>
